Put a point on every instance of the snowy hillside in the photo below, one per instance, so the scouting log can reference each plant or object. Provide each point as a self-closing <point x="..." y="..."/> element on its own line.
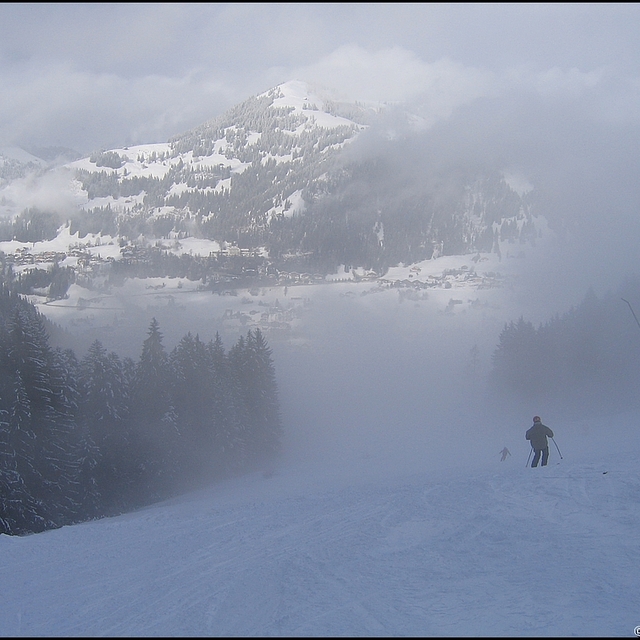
<point x="289" y="125"/>
<point x="352" y="547"/>
<point x="291" y="118"/>
<point x="310" y="182"/>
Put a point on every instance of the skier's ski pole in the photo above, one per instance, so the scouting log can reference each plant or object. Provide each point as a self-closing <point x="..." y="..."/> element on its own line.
<point x="529" y="458"/>
<point x="632" y="311"/>
<point x="558" y="448"/>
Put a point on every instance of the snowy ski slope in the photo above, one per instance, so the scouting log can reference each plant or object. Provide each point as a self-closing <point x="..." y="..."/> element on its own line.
<point x="501" y="550"/>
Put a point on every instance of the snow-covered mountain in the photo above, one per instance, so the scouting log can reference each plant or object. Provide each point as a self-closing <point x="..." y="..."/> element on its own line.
<point x="258" y="156"/>
<point x="300" y="177"/>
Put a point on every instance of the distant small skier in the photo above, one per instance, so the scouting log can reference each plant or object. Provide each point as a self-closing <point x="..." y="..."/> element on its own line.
<point x="537" y="435"/>
<point x="504" y="453"/>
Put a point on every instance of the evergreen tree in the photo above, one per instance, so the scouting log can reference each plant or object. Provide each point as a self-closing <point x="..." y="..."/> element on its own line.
<point x="50" y="454"/>
<point x="194" y="401"/>
<point x="237" y="438"/>
<point x="153" y="376"/>
<point x="151" y="410"/>
<point x="72" y="453"/>
<point x="517" y="360"/>
<point x="262" y="396"/>
<point x="102" y="415"/>
<point x="13" y="494"/>
<point x="225" y="414"/>
<point x="30" y="413"/>
<point x="20" y="512"/>
<point x="30" y="355"/>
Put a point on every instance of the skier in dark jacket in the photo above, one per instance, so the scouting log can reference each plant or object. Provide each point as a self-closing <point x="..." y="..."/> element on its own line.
<point x="537" y="435"/>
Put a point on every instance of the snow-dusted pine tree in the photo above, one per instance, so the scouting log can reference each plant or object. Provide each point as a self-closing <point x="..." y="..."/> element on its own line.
<point x="157" y="437"/>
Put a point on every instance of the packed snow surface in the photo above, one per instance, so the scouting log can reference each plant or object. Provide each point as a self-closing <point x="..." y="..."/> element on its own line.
<point x="494" y="549"/>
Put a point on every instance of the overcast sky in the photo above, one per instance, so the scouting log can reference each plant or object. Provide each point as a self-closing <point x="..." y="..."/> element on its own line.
<point x="90" y="76"/>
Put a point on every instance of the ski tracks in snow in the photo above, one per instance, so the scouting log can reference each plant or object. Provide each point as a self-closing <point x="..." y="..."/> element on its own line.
<point x="547" y="551"/>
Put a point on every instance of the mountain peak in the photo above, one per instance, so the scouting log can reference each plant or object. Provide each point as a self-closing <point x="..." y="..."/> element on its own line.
<point x="321" y="104"/>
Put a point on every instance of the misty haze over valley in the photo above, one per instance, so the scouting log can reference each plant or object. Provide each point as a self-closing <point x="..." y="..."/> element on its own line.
<point x="270" y="314"/>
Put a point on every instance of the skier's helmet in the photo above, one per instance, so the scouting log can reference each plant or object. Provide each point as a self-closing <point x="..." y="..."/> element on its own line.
<point x="536" y="419"/>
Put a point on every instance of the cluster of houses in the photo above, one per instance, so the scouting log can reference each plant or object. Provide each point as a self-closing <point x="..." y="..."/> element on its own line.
<point x="80" y="260"/>
<point x="274" y="318"/>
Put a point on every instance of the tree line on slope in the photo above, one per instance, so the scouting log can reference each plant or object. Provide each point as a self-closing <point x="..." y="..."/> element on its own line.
<point x="586" y="361"/>
<point x="92" y="437"/>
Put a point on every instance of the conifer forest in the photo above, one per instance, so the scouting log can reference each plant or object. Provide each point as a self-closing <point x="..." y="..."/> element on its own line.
<point x="83" y="438"/>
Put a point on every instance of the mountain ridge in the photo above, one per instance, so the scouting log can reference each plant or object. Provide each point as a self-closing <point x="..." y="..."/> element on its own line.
<point x="289" y="173"/>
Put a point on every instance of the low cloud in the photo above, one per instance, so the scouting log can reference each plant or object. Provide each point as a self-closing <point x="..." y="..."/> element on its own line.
<point x="60" y="106"/>
<point x="49" y="192"/>
<point x="397" y="75"/>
